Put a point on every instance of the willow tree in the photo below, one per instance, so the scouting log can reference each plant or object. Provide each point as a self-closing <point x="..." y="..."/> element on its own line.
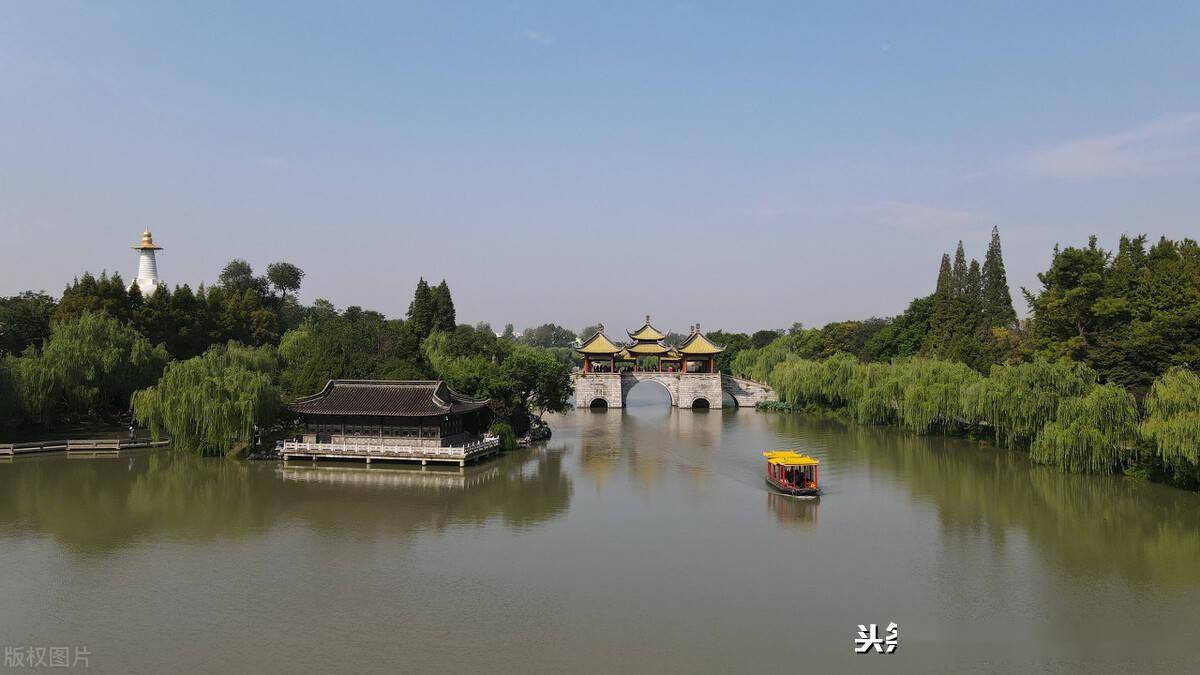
<point x="1172" y="423"/>
<point x="918" y="394"/>
<point x="795" y="380"/>
<point x="881" y="394"/>
<point x="833" y="382"/>
<point x="210" y="403"/>
<point x="1090" y="434"/>
<point x="89" y="367"/>
<point x="10" y="404"/>
<point x="1017" y="401"/>
<point x="933" y="393"/>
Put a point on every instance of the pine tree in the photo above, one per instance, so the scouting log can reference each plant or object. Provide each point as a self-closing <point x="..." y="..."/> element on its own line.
<point x="420" y="311"/>
<point x="443" y="308"/>
<point x="997" y="300"/>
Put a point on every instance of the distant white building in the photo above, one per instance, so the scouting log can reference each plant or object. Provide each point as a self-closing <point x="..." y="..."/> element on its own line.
<point x="147" y="277"/>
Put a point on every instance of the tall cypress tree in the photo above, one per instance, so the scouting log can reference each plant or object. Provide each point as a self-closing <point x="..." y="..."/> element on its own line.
<point x="968" y="341"/>
<point x="959" y="273"/>
<point x="942" y="316"/>
<point x="443" y="308"/>
<point x="420" y="311"/>
<point x="997" y="300"/>
<point x="972" y="299"/>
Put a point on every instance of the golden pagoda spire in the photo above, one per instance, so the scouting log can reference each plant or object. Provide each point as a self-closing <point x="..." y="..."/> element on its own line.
<point x="147" y="243"/>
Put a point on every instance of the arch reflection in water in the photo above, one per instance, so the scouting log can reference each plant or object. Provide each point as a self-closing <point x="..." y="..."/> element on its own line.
<point x="648" y="444"/>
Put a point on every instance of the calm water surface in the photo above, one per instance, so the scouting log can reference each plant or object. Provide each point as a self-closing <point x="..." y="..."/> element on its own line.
<point x="636" y="541"/>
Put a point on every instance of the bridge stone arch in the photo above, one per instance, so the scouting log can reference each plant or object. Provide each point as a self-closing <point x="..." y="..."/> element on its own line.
<point x="684" y="388"/>
<point x="668" y="381"/>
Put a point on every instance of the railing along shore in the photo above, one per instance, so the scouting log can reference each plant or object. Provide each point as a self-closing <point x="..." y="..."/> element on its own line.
<point x="87" y="445"/>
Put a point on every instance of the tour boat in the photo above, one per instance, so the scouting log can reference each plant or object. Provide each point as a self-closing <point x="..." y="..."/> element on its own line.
<point x="793" y="473"/>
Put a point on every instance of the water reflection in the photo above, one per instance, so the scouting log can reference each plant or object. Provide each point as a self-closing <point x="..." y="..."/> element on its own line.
<point x="988" y="562"/>
<point x="648" y="445"/>
<point x="104" y="503"/>
<point x="390" y="477"/>
<point x="1101" y="524"/>
<point x="794" y="512"/>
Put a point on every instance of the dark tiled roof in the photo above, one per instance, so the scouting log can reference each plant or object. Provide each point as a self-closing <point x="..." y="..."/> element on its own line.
<point x="397" y="398"/>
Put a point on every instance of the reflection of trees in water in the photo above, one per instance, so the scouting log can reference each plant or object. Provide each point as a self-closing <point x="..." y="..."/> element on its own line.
<point x="102" y="504"/>
<point x="98" y="503"/>
<point x="1101" y="523"/>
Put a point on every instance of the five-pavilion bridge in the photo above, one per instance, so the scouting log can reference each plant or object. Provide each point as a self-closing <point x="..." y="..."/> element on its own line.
<point x="688" y="372"/>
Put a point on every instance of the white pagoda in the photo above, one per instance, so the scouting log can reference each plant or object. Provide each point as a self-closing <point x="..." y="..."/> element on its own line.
<point x="147" y="277"/>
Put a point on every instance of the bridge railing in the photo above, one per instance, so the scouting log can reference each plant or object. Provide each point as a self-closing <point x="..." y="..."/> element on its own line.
<point x="751" y="380"/>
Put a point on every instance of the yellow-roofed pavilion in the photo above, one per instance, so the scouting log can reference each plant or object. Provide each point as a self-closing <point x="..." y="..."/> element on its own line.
<point x="648" y="341"/>
<point x="600" y="354"/>
<point x="699" y="353"/>
<point x="647" y="333"/>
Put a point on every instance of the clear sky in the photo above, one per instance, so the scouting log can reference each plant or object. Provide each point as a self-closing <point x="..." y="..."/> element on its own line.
<point x="743" y="165"/>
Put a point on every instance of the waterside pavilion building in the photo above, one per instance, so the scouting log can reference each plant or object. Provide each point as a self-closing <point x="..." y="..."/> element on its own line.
<point x="406" y="420"/>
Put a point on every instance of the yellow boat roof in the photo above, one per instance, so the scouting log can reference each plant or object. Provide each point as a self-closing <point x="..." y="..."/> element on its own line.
<point x="790" y="458"/>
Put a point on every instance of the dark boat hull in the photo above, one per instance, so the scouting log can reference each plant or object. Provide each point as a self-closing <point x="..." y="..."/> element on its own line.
<point x="794" y="491"/>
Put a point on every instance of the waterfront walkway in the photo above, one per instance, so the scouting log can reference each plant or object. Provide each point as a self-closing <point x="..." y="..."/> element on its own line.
<point x="87" y="446"/>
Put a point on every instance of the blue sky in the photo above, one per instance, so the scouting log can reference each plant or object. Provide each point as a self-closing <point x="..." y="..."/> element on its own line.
<point x="743" y="165"/>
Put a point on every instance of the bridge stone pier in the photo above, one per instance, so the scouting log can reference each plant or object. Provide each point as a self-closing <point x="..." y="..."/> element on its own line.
<point x="687" y="390"/>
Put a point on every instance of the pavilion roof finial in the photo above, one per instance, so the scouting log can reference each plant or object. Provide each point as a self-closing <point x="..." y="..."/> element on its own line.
<point x="647" y="319"/>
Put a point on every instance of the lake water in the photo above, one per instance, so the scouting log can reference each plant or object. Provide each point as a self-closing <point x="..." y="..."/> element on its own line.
<point x="641" y="540"/>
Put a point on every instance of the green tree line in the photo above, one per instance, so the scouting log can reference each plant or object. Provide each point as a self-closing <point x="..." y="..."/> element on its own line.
<point x="1099" y="378"/>
<point x="206" y="366"/>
